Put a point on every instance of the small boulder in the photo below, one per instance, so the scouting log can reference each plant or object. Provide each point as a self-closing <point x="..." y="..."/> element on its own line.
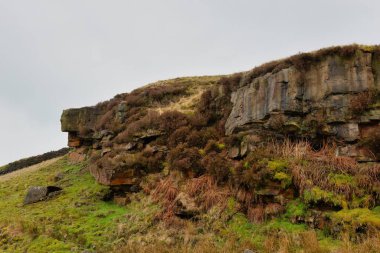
<point x="234" y="152"/>
<point x="348" y="132"/>
<point x="148" y="134"/>
<point x="76" y="156"/>
<point x="40" y="193"/>
<point x="129" y="146"/>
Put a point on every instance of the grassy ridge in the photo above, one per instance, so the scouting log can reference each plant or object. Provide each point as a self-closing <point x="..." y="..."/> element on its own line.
<point x="26" y="162"/>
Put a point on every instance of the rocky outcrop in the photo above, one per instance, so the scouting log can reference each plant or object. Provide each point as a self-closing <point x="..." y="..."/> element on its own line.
<point x="333" y="97"/>
<point x="78" y="123"/>
<point x="73" y="119"/>
<point x="317" y="101"/>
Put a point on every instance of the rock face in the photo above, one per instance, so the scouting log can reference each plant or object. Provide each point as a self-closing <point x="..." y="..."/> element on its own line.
<point x="315" y="102"/>
<point x="74" y="121"/>
<point x="333" y="98"/>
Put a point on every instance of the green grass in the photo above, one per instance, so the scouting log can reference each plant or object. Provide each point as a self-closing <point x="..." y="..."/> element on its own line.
<point x="295" y="208"/>
<point x="75" y="220"/>
<point x="358" y="217"/>
<point x="316" y="194"/>
<point x="341" y="179"/>
<point x="78" y="220"/>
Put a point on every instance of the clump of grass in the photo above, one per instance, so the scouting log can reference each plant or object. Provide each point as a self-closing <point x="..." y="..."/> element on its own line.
<point x="295" y="209"/>
<point x="358" y="217"/>
<point x="206" y="192"/>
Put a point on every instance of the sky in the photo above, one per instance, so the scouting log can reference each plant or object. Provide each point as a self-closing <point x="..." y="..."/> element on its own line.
<point x="72" y="53"/>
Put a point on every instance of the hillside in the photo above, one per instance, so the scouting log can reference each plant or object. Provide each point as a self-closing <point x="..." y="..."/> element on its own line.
<point x="80" y="219"/>
<point x="281" y="158"/>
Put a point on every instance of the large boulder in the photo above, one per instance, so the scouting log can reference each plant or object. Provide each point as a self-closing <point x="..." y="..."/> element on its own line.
<point x="72" y="120"/>
<point x="40" y="193"/>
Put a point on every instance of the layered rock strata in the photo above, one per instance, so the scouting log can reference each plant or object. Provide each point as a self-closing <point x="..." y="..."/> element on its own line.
<point x="319" y="101"/>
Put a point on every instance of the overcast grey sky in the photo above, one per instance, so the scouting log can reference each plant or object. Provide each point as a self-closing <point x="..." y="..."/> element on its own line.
<point x="71" y="53"/>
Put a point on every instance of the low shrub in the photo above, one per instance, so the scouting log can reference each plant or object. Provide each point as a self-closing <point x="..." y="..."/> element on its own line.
<point x="179" y="136"/>
<point x="199" y="138"/>
<point x="361" y="102"/>
<point x="217" y="166"/>
<point x="185" y="159"/>
<point x="231" y="83"/>
<point x="206" y="192"/>
<point x="149" y="121"/>
<point x="104" y="120"/>
<point x="170" y="121"/>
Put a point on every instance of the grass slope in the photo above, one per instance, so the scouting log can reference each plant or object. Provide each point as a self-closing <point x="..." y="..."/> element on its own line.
<point x="72" y="221"/>
<point x="78" y="220"/>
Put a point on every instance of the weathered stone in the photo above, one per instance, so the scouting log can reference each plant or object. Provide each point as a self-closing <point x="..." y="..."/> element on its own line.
<point x="148" y="134"/>
<point x="39" y="193"/>
<point x="359" y="152"/>
<point x="130" y="146"/>
<point x="76" y="156"/>
<point x="74" y="141"/>
<point x="156" y="148"/>
<point x="73" y="119"/>
<point x="115" y="175"/>
<point x="234" y="152"/>
<point x="348" y="132"/>
<point x="102" y="134"/>
<point x="348" y="150"/>
<point x="326" y="86"/>
<point x="244" y="147"/>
